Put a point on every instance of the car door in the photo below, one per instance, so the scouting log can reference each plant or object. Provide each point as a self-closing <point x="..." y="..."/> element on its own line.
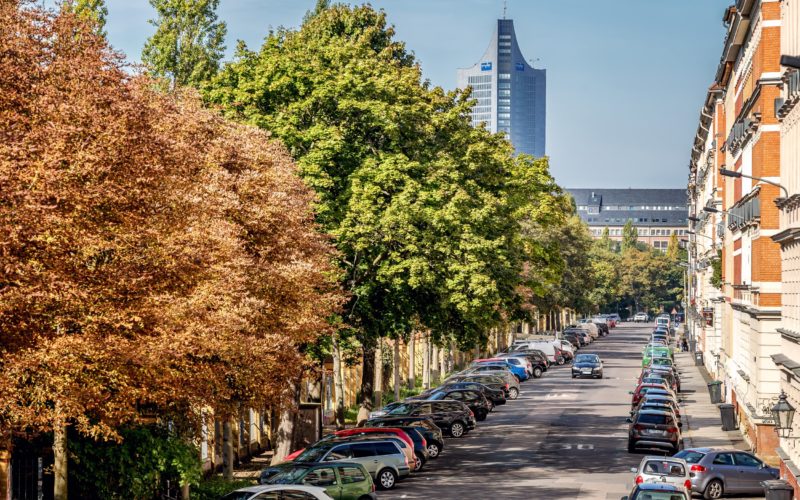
<point x="352" y="482"/>
<point x="324" y="477"/>
<point x="364" y="454"/>
<point x="724" y="466"/>
<point x="751" y="472"/>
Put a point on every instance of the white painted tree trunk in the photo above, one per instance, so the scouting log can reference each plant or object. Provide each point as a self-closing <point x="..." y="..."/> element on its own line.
<point x="378" y="390"/>
<point x="426" y="364"/>
<point x="60" y="450"/>
<point x="396" y="369"/>
<point x="338" y="384"/>
<point x="411" y="362"/>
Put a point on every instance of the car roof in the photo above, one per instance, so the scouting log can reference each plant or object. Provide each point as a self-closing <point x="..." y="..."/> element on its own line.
<point x="654" y="412"/>
<point x="662" y="458"/>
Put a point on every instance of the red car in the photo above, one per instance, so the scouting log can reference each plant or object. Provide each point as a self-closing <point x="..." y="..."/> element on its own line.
<point x="642" y="389"/>
<point x="360" y="431"/>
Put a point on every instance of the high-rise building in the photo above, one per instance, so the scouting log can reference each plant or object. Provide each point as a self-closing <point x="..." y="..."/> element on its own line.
<point x="510" y="92"/>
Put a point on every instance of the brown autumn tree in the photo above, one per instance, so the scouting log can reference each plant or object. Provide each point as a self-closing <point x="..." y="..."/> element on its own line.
<point x="150" y="252"/>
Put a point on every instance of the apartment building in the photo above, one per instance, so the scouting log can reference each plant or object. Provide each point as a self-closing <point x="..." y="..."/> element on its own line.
<point x="745" y="148"/>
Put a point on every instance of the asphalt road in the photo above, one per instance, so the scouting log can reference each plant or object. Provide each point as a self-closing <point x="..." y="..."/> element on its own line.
<point x="562" y="438"/>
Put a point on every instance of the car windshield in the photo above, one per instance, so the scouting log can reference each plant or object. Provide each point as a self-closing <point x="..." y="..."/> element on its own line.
<point x="438" y="395"/>
<point x="312" y="454"/>
<point x="690" y="456"/>
<point x="660" y="495"/>
<point x="403" y="409"/>
<point x="664" y="468"/>
<point x="586" y="358"/>
<point x="652" y="418"/>
<point x="291" y="476"/>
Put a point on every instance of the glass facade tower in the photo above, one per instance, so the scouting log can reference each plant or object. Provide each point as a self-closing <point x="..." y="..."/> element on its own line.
<point x="510" y="93"/>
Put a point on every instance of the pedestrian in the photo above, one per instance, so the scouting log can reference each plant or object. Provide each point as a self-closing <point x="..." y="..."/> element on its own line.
<point x="684" y="345"/>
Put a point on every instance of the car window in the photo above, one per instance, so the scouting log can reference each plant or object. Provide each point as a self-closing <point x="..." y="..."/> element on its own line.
<point x="403" y="409"/>
<point x="747" y="460"/>
<point x="312" y="455"/>
<point x="384" y="448"/>
<point x="457" y="395"/>
<point x="341" y="452"/>
<point x="664" y="468"/>
<point x="351" y="475"/>
<point x="659" y="495"/>
<point x="723" y="459"/>
<point x="322" y="477"/>
<point x="653" y="418"/>
<point x="267" y="495"/>
<point x="361" y="450"/>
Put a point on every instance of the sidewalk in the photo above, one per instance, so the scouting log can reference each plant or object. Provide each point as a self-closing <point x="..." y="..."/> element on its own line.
<point x="702" y="425"/>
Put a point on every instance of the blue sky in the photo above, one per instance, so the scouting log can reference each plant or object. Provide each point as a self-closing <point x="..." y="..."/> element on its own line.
<point x="626" y="78"/>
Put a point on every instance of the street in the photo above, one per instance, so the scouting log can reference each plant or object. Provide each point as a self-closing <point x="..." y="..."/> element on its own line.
<point x="562" y="438"/>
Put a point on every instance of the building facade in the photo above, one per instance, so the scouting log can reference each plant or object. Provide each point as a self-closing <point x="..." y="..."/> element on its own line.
<point x="656" y="214"/>
<point x="510" y="93"/>
<point x="740" y="110"/>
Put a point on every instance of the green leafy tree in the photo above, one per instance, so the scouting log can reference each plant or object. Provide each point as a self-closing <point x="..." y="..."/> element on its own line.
<point x="716" y="266"/>
<point x="673" y="249"/>
<point x="629" y="236"/>
<point x="425" y="210"/>
<point x="94" y="11"/>
<point x="188" y="44"/>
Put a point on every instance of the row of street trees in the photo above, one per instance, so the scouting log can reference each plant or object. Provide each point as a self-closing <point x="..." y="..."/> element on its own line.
<point x="181" y="243"/>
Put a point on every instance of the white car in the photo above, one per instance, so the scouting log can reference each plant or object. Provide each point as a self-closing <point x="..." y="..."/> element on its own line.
<point x="640" y="318"/>
<point x="670" y="470"/>
<point x="278" y="492"/>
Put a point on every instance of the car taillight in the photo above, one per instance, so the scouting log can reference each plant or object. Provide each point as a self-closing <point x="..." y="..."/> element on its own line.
<point x="672" y="429"/>
<point x="506" y="385"/>
<point x="374" y="488"/>
<point x="424" y="443"/>
<point x="405" y="458"/>
<point x="471" y="413"/>
<point x="639" y="479"/>
<point x="688" y="484"/>
<point x="697" y="468"/>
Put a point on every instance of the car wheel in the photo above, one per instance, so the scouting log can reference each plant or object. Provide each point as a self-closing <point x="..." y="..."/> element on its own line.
<point x="537" y="372"/>
<point x="513" y="393"/>
<point x="418" y="463"/>
<point x="457" y="429"/>
<point x="560" y="360"/>
<point x="713" y="489"/>
<point x="480" y="416"/>
<point x="434" y="450"/>
<point x="387" y="479"/>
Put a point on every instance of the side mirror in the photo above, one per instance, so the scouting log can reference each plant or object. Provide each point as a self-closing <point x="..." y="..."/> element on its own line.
<point x="630" y="392"/>
<point x="680" y="425"/>
<point x="629" y="420"/>
<point x="634" y="470"/>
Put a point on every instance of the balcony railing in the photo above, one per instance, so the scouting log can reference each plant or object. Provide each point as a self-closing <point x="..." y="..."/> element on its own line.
<point x="745" y="295"/>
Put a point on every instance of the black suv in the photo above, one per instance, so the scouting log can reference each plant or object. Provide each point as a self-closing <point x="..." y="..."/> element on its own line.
<point x="490" y="381"/>
<point x="430" y="431"/>
<point x="475" y="400"/>
<point x="453" y="417"/>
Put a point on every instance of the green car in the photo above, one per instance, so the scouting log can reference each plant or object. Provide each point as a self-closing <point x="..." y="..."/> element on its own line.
<point x="341" y="480"/>
<point x="658" y="361"/>
<point x="655" y="352"/>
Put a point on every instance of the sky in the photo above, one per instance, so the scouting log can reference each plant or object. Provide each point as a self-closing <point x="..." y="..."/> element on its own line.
<point x="625" y="78"/>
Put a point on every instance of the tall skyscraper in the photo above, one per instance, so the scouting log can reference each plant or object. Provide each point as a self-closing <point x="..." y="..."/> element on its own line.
<point x="510" y="92"/>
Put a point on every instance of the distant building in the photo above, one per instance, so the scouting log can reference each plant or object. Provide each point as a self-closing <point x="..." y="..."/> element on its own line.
<point x="510" y="92"/>
<point x="656" y="214"/>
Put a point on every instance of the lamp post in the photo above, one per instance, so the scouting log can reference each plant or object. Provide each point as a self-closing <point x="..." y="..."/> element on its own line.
<point x="713" y="210"/>
<point x="783" y="414"/>
<point x="730" y="173"/>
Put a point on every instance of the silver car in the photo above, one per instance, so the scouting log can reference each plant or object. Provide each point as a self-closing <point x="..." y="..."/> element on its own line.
<point x="668" y="470"/>
<point x="717" y="472"/>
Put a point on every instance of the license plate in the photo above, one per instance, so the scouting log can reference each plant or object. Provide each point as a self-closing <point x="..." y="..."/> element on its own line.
<point x="654" y="431"/>
<point x="586" y="372"/>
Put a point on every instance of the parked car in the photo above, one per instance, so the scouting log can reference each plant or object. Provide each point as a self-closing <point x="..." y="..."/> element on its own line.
<point x="658" y="362"/>
<point x="573" y="338"/>
<point x="453" y="417"/>
<point x="587" y="365"/>
<point x="341" y="480"/>
<point x="495" y="369"/>
<point x="657" y="491"/>
<point x="537" y="365"/>
<point x="495" y="395"/>
<point x="659" y="399"/>
<point x="430" y="431"/>
<point x="278" y="492"/>
<point x="519" y="371"/>
<point x="386" y="409"/>
<point x="475" y="400"/>
<point x="716" y="472"/>
<point x="669" y="470"/>
<point x="489" y="380"/>
<point x="642" y="389"/>
<point x="656" y="405"/>
<point x="653" y="429"/>
<point x="384" y="459"/>
<point x="590" y="327"/>
<point x="641" y="317"/>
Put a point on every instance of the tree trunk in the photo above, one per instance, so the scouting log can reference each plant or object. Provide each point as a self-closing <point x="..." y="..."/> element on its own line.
<point x="378" y="368"/>
<point x="396" y="368"/>
<point x="185" y="491"/>
<point x="59" y="459"/>
<point x="367" y="380"/>
<point x="338" y="385"/>
<point x="285" y="434"/>
<point x="426" y="364"/>
<point x="227" y="450"/>
<point x="435" y="365"/>
<point x="411" y="362"/>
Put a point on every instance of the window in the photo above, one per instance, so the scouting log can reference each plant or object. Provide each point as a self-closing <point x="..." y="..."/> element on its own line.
<point x="322" y="477"/>
<point x="362" y="450"/>
<point x="594" y="210"/>
<point x="747" y="460"/>
<point x="294" y="495"/>
<point x="504" y="93"/>
<point x="384" y="448"/>
<point x="505" y="51"/>
<point x="504" y="76"/>
<point x="723" y="459"/>
<point x="339" y="453"/>
<point x="267" y="495"/>
<point x="351" y="475"/>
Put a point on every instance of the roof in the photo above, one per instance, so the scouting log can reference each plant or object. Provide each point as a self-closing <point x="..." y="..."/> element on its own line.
<point x="631" y="196"/>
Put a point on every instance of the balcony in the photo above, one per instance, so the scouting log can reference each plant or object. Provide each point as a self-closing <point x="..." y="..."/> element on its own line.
<point x="745" y="296"/>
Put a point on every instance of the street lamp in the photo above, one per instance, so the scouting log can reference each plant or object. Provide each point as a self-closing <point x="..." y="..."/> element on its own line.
<point x="693" y="219"/>
<point x="783" y="414"/>
<point x="730" y="173"/>
<point x="713" y="210"/>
